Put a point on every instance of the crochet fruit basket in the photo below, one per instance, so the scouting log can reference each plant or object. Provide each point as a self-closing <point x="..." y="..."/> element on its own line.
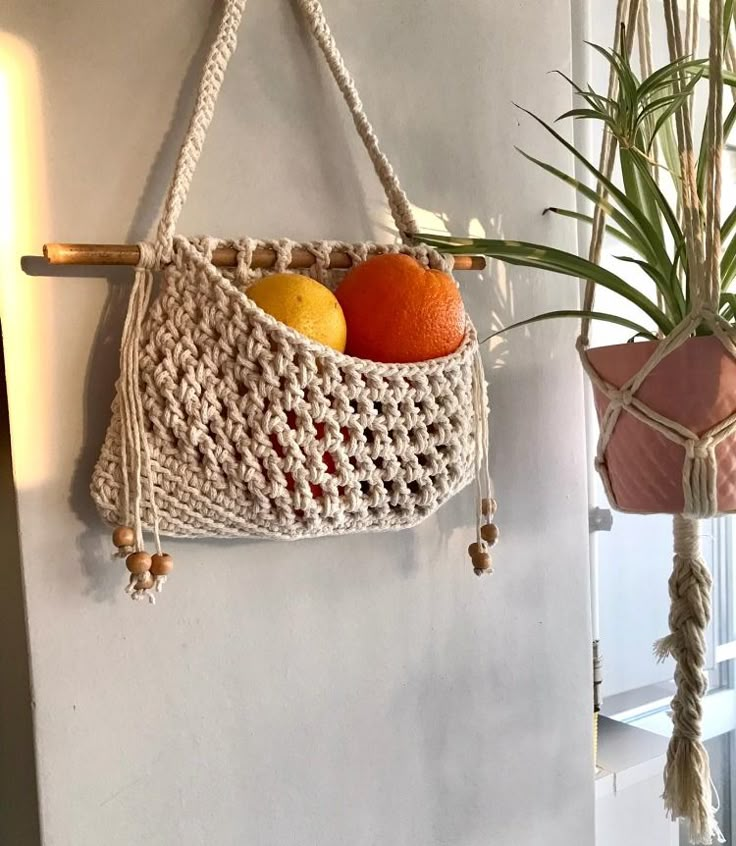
<point x="239" y="412"/>
<point x="228" y="423"/>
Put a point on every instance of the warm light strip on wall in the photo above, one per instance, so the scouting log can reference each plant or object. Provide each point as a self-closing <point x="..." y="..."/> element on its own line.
<point x="22" y="222"/>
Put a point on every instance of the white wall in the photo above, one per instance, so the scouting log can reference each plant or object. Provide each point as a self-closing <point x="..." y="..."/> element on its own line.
<point x="367" y="690"/>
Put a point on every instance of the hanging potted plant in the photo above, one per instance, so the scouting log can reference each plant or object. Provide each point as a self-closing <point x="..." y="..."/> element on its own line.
<point x="689" y="388"/>
<point x="666" y="400"/>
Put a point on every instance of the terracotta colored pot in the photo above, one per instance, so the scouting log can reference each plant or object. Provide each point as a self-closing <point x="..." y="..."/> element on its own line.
<point x="696" y="386"/>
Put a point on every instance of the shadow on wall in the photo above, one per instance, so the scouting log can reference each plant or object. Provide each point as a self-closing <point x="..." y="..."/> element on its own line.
<point x="19" y="806"/>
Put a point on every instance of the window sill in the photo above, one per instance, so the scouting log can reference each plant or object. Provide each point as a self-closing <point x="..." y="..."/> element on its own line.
<point x="627" y="755"/>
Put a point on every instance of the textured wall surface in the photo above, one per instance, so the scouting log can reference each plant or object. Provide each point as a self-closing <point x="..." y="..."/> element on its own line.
<point x="369" y="689"/>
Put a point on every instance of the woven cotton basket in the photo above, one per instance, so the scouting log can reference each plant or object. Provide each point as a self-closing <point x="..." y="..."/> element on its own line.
<point x="240" y="412"/>
<point x="228" y="423"/>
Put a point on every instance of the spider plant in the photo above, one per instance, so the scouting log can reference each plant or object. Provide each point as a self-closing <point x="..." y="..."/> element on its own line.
<point x="640" y="205"/>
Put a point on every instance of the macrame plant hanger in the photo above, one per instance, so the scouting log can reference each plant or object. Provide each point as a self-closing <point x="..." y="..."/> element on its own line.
<point x="688" y="789"/>
<point x="172" y="401"/>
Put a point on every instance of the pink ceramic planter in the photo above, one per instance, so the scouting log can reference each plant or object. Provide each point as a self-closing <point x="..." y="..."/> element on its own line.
<point x="696" y="386"/>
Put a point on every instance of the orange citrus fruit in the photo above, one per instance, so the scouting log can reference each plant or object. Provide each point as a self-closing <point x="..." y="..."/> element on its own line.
<point x="304" y="304"/>
<point x="398" y="311"/>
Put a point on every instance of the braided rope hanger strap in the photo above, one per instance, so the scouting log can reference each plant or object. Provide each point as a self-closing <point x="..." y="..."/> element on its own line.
<point x="687" y="782"/>
<point x="228" y="423"/>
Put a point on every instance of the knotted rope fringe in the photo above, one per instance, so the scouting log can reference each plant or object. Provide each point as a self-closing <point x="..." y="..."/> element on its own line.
<point x="135" y="451"/>
<point x="687" y="779"/>
<point x="483" y="482"/>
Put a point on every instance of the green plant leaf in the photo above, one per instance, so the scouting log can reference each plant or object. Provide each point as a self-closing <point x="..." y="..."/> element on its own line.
<point x="728" y="124"/>
<point x="591" y="114"/>
<point x="654" y="197"/>
<point x="628" y="83"/>
<point x="654" y="193"/>
<point x="728" y="77"/>
<point x="665" y="135"/>
<point x="667" y="75"/>
<point x="648" y="233"/>
<point x="727" y="15"/>
<point x="728" y="306"/>
<point x="579" y="314"/>
<point x="627" y="225"/>
<point x="728" y="264"/>
<point x="667" y="100"/>
<point x="728" y="224"/>
<point x="557" y="261"/>
<point x="662" y="284"/>
<point x="677" y="103"/>
<point x="586" y="218"/>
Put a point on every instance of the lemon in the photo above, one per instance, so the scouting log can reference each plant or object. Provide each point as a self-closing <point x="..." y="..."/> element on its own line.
<point x="303" y="304"/>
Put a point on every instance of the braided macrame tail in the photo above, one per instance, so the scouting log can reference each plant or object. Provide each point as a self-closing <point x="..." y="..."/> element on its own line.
<point x="687" y="782"/>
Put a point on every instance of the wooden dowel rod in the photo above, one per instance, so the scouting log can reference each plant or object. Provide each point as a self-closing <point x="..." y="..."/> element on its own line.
<point x="129" y="254"/>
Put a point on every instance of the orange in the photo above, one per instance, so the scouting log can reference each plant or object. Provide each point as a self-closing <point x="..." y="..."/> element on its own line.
<point x="304" y="304"/>
<point x="398" y="311"/>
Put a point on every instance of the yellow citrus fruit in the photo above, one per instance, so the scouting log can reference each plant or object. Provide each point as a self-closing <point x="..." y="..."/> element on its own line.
<point x="304" y="304"/>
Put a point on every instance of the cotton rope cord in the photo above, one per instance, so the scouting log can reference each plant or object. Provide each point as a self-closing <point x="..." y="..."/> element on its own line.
<point x="212" y="78"/>
<point x="646" y="66"/>
<point x="688" y="787"/>
<point x="713" y="169"/>
<point x="398" y="202"/>
<point x="644" y="39"/>
<point x="134" y="442"/>
<point x="626" y="16"/>
<point x="692" y="27"/>
<point x="691" y="211"/>
<point x="483" y="481"/>
<point x="213" y="74"/>
<point x="176" y="458"/>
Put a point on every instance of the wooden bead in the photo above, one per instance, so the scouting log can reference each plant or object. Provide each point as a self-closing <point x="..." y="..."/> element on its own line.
<point x="488" y="507"/>
<point x="144" y="581"/>
<point x="161" y="564"/>
<point x="481" y="562"/>
<point x="123" y="536"/>
<point x="490" y="533"/>
<point x="477" y="549"/>
<point x="138" y="562"/>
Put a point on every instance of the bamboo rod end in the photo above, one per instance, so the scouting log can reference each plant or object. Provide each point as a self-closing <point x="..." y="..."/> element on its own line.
<point x="129" y="254"/>
<point x="467" y="262"/>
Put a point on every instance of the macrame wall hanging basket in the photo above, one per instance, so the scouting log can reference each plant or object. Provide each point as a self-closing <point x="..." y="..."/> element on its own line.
<point x="667" y="410"/>
<point x="223" y="416"/>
